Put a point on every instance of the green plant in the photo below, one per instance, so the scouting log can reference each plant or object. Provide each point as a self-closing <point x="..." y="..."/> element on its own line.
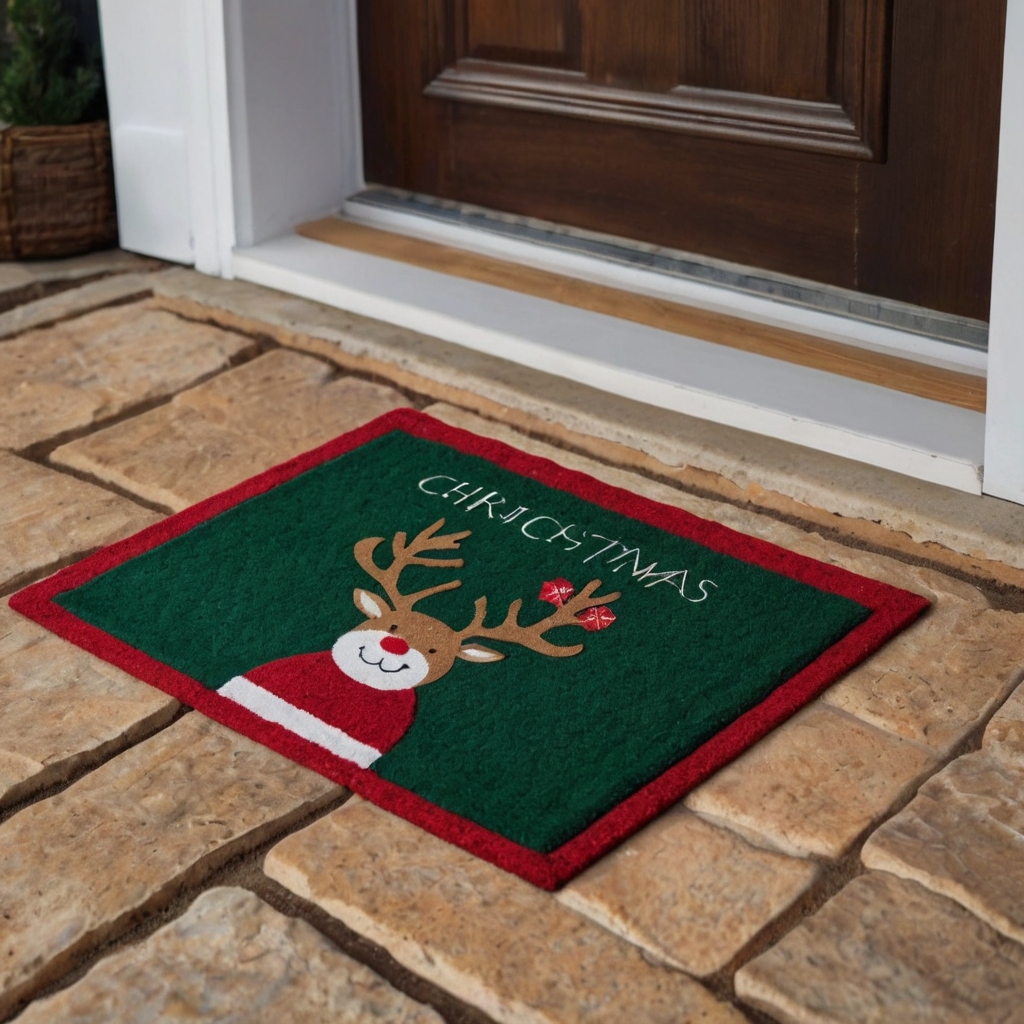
<point x="47" y="79"/>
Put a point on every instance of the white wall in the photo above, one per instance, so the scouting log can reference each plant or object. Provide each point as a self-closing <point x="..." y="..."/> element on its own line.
<point x="293" y="88"/>
<point x="167" y="89"/>
<point x="232" y="120"/>
<point x="145" y="62"/>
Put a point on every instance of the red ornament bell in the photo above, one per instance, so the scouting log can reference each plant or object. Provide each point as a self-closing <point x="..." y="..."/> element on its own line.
<point x="557" y="592"/>
<point x="600" y="617"/>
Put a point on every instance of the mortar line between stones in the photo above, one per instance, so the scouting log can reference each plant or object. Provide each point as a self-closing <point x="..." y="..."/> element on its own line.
<point x="22" y="580"/>
<point x="77" y="312"/>
<point x="363" y="950"/>
<point x="35" y="292"/>
<point x="70" y="965"/>
<point x="245" y="870"/>
<point x="77" y="774"/>
<point x="881" y="730"/>
<point x="834" y="877"/>
<point x="108" y="485"/>
<point x="40" y="451"/>
<point x="417" y="399"/>
<point x="838" y="874"/>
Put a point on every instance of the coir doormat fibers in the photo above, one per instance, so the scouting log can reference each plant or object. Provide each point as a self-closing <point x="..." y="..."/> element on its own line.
<point x="514" y="656"/>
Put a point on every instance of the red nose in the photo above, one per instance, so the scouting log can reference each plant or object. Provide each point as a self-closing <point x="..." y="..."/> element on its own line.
<point x="394" y="645"/>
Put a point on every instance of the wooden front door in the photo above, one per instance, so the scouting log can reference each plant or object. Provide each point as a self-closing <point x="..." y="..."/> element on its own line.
<point x="851" y="142"/>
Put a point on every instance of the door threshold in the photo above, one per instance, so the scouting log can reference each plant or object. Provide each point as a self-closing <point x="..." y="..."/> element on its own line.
<point x="918" y="436"/>
<point x="927" y="381"/>
<point x="823" y="311"/>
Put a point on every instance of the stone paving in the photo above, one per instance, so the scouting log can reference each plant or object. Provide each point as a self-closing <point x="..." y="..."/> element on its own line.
<point x="863" y="863"/>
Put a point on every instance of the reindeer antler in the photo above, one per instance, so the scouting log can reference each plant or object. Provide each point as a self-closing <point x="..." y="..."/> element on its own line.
<point x="531" y="636"/>
<point x="406" y="554"/>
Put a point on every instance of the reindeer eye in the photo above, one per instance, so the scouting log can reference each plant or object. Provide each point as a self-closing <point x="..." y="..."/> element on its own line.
<point x="391" y="629"/>
<point x="433" y="650"/>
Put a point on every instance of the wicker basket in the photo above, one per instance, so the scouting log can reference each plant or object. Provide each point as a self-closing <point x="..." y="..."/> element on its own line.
<point x="56" y="191"/>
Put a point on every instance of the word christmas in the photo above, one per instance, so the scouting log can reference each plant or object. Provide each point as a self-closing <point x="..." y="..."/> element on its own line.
<point x="547" y="528"/>
<point x="356" y="700"/>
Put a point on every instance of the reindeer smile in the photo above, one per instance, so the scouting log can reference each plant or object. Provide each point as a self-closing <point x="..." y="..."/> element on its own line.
<point x="380" y="664"/>
<point x="429" y="645"/>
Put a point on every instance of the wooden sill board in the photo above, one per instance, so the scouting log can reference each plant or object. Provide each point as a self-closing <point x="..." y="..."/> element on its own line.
<point x="954" y="388"/>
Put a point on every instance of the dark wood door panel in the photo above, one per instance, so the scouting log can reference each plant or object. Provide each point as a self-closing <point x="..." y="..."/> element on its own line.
<point x="541" y="32"/>
<point x="776" y="210"/>
<point x="809" y="74"/>
<point x="774" y="47"/>
<point x="914" y="223"/>
<point x="926" y="217"/>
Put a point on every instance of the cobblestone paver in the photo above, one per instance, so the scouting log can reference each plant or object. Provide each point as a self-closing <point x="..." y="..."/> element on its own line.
<point x="127" y="836"/>
<point x="21" y="284"/>
<point x="489" y="937"/>
<point x="966" y="819"/>
<point x="230" y="957"/>
<point x="887" y="950"/>
<point x="48" y="519"/>
<point x="904" y="690"/>
<point x="71" y="304"/>
<point x="690" y="893"/>
<point x="63" y="708"/>
<point x="61" y="379"/>
<point x="736" y="899"/>
<point x="222" y="432"/>
<point x="1004" y="737"/>
<point x="814" y="785"/>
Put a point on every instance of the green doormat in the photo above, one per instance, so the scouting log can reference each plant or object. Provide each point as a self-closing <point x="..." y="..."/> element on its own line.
<point x="519" y="658"/>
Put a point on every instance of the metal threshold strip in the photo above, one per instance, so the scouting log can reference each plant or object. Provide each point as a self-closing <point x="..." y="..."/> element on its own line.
<point x="778" y="288"/>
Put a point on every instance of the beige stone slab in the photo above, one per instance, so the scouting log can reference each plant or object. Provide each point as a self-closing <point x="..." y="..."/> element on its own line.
<point x="963" y="836"/>
<point x="221" y="432"/>
<point x="887" y="951"/>
<point x="63" y="709"/>
<point x="83" y="864"/>
<point x="814" y="785"/>
<point x="886" y="509"/>
<point x="65" y="378"/>
<point x="48" y="518"/>
<point x="74" y="301"/>
<point x="22" y="283"/>
<point x="691" y="894"/>
<point x="17" y="273"/>
<point x="940" y="678"/>
<point x="489" y="938"/>
<point x="231" y="958"/>
<point x="1004" y="737"/>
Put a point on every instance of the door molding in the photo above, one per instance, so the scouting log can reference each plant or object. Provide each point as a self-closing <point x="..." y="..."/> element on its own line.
<point x="850" y="124"/>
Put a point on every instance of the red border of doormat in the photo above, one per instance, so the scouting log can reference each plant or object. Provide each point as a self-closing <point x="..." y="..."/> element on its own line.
<point x="891" y="610"/>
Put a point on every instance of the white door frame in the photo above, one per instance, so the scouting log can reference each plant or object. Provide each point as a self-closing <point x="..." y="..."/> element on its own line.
<point x="1004" y="417"/>
<point x="267" y="80"/>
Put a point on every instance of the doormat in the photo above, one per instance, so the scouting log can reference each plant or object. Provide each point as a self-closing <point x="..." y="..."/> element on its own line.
<point x="514" y="656"/>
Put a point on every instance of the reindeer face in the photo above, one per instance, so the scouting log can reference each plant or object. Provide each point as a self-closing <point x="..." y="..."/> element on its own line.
<point x="398" y="650"/>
